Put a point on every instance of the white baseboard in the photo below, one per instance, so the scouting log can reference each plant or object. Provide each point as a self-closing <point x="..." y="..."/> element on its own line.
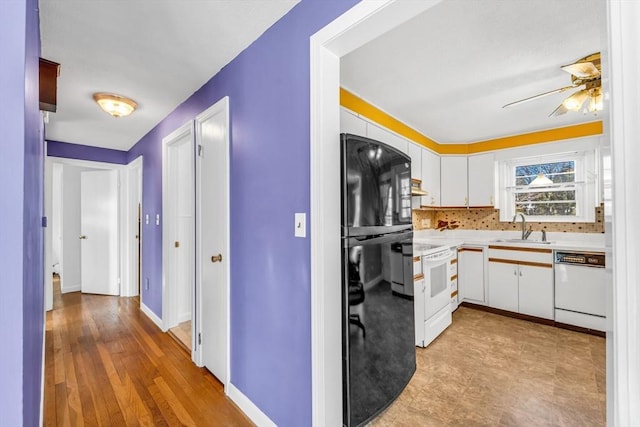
<point x="248" y="407"/>
<point x="74" y="288"/>
<point x="151" y="315"/>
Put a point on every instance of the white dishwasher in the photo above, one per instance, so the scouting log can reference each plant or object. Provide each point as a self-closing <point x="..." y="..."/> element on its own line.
<point x="580" y="289"/>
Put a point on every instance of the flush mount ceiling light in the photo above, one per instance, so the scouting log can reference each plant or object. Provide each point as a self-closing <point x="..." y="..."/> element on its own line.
<point x="116" y="105"/>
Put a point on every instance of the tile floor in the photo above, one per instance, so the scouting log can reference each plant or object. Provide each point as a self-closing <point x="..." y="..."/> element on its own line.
<point x="491" y="370"/>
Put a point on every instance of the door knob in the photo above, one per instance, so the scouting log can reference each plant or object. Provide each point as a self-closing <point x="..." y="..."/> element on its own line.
<point x="216" y="258"/>
<point x="83" y="237"/>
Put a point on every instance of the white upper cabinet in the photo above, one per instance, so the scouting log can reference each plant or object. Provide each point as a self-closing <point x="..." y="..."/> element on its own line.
<point x="430" y="178"/>
<point x="383" y="135"/>
<point x="481" y="180"/>
<point x="453" y="181"/>
<point x="351" y="123"/>
<point x="415" y="152"/>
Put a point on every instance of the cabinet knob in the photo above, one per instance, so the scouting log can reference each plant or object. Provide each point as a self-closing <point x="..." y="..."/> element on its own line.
<point x="216" y="258"/>
<point x="521" y="274"/>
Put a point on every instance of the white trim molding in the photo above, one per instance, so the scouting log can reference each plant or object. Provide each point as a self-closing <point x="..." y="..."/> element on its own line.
<point x="151" y="315"/>
<point x="248" y="407"/>
<point x="623" y="332"/>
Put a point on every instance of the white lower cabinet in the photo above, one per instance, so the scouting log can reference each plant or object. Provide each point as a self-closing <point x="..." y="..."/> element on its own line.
<point x="503" y="286"/>
<point x="471" y="274"/>
<point x="535" y="291"/>
<point x="521" y="280"/>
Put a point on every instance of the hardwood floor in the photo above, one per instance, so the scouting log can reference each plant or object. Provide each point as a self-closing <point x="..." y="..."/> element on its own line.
<point x="107" y="364"/>
<point x="491" y="370"/>
<point x="182" y="333"/>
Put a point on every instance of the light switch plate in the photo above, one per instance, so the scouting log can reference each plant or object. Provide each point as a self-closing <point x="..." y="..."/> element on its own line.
<point x="146" y="219"/>
<point x="301" y="225"/>
<point x="157" y="219"/>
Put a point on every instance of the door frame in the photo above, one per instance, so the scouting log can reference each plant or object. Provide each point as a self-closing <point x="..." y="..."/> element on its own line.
<point x="133" y="186"/>
<point x="122" y="214"/>
<point x="363" y="23"/>
<point x="221" y="105"/>
<point x="169" y="302"/>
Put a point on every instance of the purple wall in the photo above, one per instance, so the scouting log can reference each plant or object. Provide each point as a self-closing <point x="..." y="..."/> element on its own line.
<point x="85" y="152"/>
<point x="268" y="87"/>
<point x="21" y="243"/>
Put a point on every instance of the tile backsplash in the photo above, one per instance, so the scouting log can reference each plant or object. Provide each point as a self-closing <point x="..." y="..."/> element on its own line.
<point x="489" y="219"/>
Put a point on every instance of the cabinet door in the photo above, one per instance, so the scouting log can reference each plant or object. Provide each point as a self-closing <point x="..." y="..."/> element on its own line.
<point x="431" y="178"/>
<point x="389" y="138"/>
<point x="471" y="275"/>
<point x="503" y="286"/>
<point x="418" y="309"/>
<point x="415" y="152"/>
<point x="535" y="295"/>
<point x="481" y="180"/>
<point x="453" y="181"/>
<point x="350" y="123"/>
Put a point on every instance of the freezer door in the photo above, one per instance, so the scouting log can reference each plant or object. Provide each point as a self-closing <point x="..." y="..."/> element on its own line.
<point x="376" y="184"/>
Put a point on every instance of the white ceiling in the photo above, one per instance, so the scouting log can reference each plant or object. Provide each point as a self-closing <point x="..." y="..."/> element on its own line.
<point x="448" y="72"/>
<point x="157" y="52"/>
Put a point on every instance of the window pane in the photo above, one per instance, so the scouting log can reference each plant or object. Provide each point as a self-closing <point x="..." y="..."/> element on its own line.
<point x="556" y="171"/>
<point x="547" y="209"/>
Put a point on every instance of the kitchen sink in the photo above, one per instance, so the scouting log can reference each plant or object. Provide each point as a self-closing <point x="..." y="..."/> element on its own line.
<point x="523" y="241"/>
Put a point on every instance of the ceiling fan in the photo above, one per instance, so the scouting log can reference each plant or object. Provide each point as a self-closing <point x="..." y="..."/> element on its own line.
<point x="585" y="75"/>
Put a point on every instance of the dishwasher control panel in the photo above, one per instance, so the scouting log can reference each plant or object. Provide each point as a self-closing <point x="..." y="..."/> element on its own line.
<point x="588" y="259"/>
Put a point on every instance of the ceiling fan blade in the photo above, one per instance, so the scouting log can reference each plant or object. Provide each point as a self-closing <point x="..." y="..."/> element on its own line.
<point x="582" y="70"/>
<point x="540" y="95"/>
<point x="559" y="111"/>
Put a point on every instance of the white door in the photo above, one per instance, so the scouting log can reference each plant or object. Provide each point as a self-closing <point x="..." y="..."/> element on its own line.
<point x="212" y="139"/>
<point x="99" y="232"/>
<point x="178" y="232"/>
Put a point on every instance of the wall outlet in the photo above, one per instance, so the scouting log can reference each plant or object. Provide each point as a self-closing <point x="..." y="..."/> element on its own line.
<point x="426" y="223"/>
<point x="146" y="283"/>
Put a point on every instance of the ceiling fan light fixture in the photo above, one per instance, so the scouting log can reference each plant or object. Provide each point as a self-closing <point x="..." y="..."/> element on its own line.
<point x="116" y="105"/>
<point x="595" y="100"/>
<point x="575" y="101"/>
<point x="540" y="180"/>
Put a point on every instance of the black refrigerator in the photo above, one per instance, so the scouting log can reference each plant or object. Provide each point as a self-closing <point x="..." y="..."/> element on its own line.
<point x="378" y="338"/>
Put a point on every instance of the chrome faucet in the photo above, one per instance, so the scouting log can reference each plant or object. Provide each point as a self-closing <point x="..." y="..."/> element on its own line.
<point x="525" y="233"/>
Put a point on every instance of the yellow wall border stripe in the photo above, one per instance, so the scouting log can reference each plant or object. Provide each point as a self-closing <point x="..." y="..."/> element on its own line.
<point x="360" y="106"/>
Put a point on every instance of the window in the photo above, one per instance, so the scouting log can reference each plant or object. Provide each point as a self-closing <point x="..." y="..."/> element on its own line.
<point x="552" y="188"/>
<point x="552" y="199"/>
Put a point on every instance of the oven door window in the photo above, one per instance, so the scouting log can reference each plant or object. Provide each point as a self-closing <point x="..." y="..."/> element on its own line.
<point x="438" y="280"/>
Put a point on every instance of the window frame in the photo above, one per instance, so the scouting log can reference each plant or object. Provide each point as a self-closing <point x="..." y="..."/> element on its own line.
<point x="583" y="186"/>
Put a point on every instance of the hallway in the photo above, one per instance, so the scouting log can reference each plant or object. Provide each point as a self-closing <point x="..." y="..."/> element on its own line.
<point x="107" y="364"/>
